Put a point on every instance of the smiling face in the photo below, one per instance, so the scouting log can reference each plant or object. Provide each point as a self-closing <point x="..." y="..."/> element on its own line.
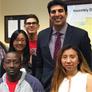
<point x="70" y="60"/>
<point x="31" y="25"/>
<point x="20" y="42"/>
<point x="58" y="15"/>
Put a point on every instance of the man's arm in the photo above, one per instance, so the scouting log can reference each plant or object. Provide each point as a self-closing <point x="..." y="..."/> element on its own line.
<point x="86" y="48"/>
<point x="39" y="63"/>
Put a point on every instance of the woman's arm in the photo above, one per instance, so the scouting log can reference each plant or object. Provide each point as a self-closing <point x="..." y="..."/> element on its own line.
<point x="89" y="83"/>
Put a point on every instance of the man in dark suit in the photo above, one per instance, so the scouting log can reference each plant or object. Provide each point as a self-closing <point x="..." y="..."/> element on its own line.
<point x="46" y="41"/>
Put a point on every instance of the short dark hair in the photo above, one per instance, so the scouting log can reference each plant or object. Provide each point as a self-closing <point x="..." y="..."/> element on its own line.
<point x="31" y="16"/>
<point x="56" y="2"/>
<point x="13" y="52"/>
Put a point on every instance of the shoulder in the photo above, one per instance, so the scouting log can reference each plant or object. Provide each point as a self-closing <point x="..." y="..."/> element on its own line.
<point x="80" y="33"/>
<point x="31" y="79"/>
<point x="89" y="83"/>
<point x="44" y="31"/>
<point x="35" y="83"/>
<point x="90" y="78"/>
<point x="77" y="29"/>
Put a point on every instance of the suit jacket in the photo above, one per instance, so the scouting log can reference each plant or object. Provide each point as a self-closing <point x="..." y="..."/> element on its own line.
<point x="46" y="64"/>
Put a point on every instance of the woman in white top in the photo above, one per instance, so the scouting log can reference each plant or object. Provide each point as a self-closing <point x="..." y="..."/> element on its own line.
<point x="72" y="73"/>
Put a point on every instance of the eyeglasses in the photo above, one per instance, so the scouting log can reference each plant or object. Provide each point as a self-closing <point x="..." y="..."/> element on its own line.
<point x="54" y="11"/>
<point x="29" y="23"/>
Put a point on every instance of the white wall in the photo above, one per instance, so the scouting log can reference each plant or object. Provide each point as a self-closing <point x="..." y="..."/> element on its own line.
<point x="21" y="7"/>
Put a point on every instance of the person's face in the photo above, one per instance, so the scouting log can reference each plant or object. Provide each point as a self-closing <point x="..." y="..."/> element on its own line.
<point x="69" y="60"/>
<point x="20" y="42"/>
<point x="31" y="25"/>
<point x="57" y="15"/>
<point x="12" y="64"/>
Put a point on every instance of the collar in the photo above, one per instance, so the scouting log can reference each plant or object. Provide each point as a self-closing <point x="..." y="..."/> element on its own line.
<point x="62" y="31"/>
<point x="21" y="79"/>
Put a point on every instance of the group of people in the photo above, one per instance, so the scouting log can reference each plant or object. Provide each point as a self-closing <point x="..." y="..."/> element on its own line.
<point x="58" y="59"/>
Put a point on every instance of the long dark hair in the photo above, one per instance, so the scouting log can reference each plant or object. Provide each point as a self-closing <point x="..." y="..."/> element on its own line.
<point x="26" y="51"/>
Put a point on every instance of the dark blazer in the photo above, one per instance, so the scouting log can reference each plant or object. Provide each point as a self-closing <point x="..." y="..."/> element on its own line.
<point x="46" y="64"/>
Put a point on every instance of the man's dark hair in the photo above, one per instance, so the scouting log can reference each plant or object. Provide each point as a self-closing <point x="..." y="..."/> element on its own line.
<point x="16" y="53"/>
<point x="31" y="16"/>
<point x="56" y="2"/>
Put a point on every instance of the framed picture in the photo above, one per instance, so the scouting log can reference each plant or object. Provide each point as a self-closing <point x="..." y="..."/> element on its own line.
<point x="71" y="2"/>
<point x="80" y="15"/>
<point x="12" y="23"/>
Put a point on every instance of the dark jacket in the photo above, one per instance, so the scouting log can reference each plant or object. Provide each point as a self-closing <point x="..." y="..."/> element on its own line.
<point x="27" y="83"/>
<point x="46" y="64"/>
